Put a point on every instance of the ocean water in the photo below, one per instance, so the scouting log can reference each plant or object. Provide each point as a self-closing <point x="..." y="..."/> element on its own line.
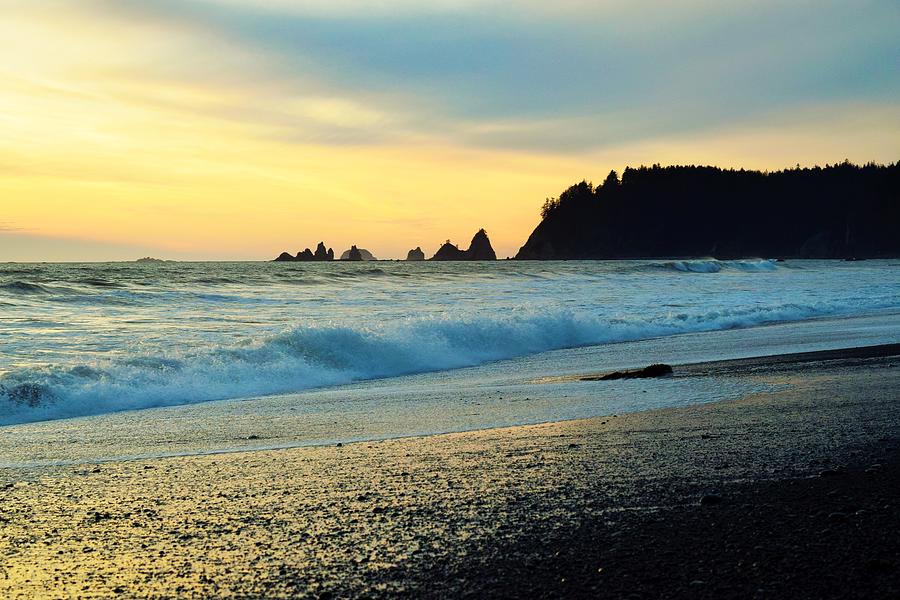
<point x="94" y="339"/>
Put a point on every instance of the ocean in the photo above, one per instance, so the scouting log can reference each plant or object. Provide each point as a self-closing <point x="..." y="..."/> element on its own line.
<point x="314" y="352"/>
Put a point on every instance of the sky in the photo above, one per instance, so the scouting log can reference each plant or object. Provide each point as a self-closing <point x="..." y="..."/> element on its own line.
<point x="236" y="129"/>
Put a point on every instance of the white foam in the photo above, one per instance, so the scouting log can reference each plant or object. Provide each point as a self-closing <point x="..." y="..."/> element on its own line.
<point x="716" y="266"/>
<point x="309" y="357"/>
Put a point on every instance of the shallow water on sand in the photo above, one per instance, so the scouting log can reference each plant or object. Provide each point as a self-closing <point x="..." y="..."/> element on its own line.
<point x="92" y="339"/>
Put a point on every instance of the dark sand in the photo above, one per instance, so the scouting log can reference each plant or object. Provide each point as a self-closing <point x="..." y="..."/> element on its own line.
<point x="802" y="491"/>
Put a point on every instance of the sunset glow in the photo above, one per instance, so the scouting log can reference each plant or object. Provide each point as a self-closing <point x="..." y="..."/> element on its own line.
<point x="234" y="130"/>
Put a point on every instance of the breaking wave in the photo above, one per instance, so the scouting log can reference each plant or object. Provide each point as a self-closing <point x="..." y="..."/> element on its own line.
<point x="311" y="357"/>
<point x="715" y="266"/>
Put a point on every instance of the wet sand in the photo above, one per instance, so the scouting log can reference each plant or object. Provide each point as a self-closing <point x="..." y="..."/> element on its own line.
<point x="794" y="493"/>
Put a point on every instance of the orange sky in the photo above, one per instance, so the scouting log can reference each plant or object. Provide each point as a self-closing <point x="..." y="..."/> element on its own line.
<point x="125" y="132"/>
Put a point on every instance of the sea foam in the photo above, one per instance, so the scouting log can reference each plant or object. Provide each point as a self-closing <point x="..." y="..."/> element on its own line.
<point x="309" y="357"/>
<point x="715" y="266"/>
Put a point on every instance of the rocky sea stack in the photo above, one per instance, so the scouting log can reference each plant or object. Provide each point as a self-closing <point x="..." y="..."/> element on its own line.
<point x="479" y="249"/>
<point x="415" y="254"/>
<point x="320" y="254"/>
<point x="355" y="253"/>
<point x="449" y="251"/>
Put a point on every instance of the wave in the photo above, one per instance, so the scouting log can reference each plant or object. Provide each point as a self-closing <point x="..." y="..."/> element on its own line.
<point x="53" y="291"/>
<point x="716" y="266"/>
<point x="99" y="283"/>
<point x="107" y="289"/>
<point x="218" y="280"/>
<point x="7" y="270"/>
<point x="311" y="357"/>
<point x="111" y="293"/>
<point x="365" y="273"/>
<point x="24" y="288"/>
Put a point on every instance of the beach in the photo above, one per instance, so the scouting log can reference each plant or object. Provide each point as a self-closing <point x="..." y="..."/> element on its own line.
<point x="790" y="492"/>
<point x="461" y="299"/>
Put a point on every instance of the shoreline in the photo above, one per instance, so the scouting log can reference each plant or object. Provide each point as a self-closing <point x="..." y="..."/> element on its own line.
<point x="759" y="364"/>
<point x="534" y="509"/>
<point x="738" y="367"/>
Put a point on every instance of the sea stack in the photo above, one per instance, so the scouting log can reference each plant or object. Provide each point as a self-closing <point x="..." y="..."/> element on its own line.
<point x="415" y="254"/>
<point x="321" y="254"/>
<point x="353" y="251"/>
<point x="479" y="249"/>
<point x="449" y="251"/>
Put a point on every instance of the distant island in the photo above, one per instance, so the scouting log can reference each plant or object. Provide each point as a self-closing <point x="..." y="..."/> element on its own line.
<point x="839" y="211"/>
<point x="150" y="259"/>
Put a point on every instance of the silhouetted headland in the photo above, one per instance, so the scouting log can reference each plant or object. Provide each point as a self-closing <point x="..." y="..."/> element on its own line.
<point x="479" y="249"/>
<point x="308" y="255"/>
<point x="840" y="211"/>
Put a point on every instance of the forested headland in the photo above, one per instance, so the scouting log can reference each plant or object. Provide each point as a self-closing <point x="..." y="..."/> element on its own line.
<point x="837" y="211"/>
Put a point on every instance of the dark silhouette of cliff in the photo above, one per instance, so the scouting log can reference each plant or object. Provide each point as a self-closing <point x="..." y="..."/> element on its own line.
<point x="479" y="249"/>
<point x="307" y="255"/>
<point x="415" y="254"/>
<point x="839" y="211"/>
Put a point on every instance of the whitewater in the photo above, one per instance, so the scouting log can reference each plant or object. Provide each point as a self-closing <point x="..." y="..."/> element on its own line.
<point x="93" y="339"/>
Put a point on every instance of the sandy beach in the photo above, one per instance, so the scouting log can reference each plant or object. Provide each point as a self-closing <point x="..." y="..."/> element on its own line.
<point x="791" y="493"/>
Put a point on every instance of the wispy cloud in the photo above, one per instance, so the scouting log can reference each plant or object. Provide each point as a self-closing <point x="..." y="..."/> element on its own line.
<point x="604" y="73"/>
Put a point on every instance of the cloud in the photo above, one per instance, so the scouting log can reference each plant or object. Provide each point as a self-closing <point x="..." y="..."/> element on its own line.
<point x="484" y="72"/>
<point x="229" y="128"/>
